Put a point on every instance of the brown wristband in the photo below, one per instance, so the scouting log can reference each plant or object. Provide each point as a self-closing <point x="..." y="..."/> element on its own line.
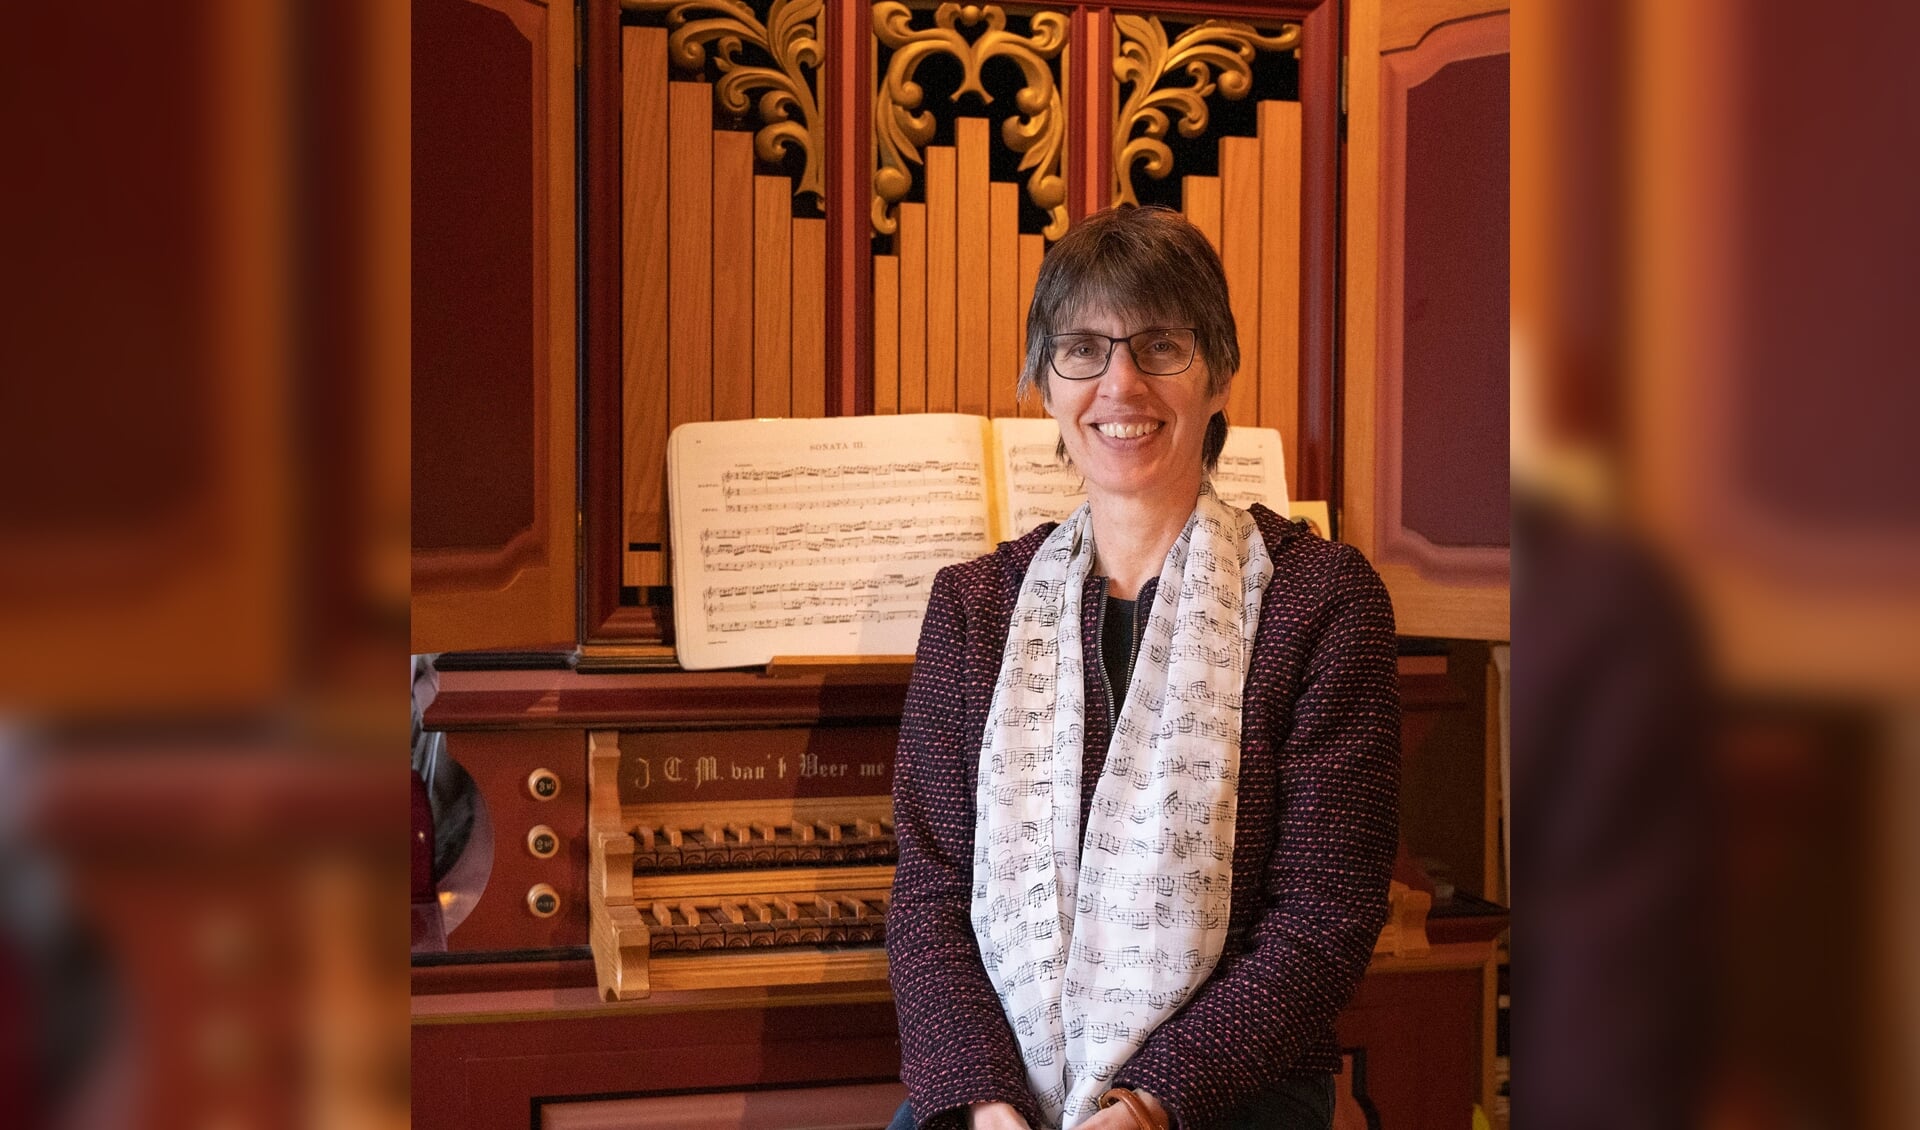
<point x="1143" y="1116"/>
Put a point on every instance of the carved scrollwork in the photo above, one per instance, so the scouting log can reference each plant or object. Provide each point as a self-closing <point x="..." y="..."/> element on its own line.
<point x="1145" y="58"/>
<point x="901" y="129"/>
<point x="788" y="112"/>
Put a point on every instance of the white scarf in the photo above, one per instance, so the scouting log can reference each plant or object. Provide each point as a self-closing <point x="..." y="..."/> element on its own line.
<point x="1091" y="949"/>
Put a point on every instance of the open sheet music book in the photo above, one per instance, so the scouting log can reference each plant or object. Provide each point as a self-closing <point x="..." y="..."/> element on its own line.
<point x="821" y="537"/>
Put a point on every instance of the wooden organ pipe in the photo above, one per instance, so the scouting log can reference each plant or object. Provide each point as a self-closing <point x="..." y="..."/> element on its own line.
<point x="940" y="174"/>
<point x="1004" y="348"/>
<point x="971" y="235"/>
<point x="809" y="333"/>
<point x="886" y="335"/>
<point x="772" y="302"/>
<point x="1032" y="249"/>
<point x="1200" y="200"/>
<point x="1240" y="255"/>
<point x="690" y="258"/>
<point x="645" y="315"/>
<point x="913" y="307"/>
<point x="736" y="344"/>
<point x="1279" y="355"/>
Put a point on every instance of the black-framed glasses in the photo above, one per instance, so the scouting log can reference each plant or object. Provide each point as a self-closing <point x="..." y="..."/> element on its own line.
<point x="1157" y="353"/>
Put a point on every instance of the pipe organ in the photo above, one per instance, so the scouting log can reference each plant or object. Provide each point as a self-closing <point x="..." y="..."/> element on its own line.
<point x="674" y="881"/>
<point x="724" y="279"/>
<point x="725" y="217"/>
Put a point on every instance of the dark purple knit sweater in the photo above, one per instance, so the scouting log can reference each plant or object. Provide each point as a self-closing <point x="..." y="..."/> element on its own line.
<point x="1313" y="850"/>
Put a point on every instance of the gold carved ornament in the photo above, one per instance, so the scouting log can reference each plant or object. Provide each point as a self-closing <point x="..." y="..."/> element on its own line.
<point x="1144" y="58"/>
<point x="787" y="110"/>
<point x="901" y="129"/>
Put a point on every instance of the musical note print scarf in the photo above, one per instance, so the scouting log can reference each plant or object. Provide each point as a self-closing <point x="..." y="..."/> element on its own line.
<point x="1091" y="948"/>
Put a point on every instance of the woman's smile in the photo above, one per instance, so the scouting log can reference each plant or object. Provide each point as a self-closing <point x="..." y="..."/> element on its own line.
<point x="1129" y="430"/>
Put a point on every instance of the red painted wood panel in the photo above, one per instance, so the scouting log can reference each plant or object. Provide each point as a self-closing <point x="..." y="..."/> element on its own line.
<point x="475" y="374"/>
<point x="1422" y="1036"/>
<point x="495" y="1075"/>
<point x="500" y="764"/>
<point x="1453" y="422"/>
<point x="493" y="420"/>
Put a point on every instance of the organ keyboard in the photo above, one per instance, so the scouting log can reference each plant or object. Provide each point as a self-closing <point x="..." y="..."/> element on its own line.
<point x="714" y="846"/>
<point x="747" y="922"/>
<point x="781" y="889"/>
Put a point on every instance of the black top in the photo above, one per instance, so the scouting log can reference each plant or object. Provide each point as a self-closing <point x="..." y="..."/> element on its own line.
<point x="1120" y="630"/>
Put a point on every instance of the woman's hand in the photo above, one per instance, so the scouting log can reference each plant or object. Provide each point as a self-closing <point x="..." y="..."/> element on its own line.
<point x="995" y="1116"/>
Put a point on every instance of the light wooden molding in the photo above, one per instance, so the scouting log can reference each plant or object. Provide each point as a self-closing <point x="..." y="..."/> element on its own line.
<point x="1216" y="55"/>
<point x="901" y="129"/>
<point x="801" y="965"/>
<point x="1406" y="23"/>
<point x="1405" y="932"/>
<point x="642" y="890"/>
<point x="780" y="96"/>
<point x="617" y="934"/>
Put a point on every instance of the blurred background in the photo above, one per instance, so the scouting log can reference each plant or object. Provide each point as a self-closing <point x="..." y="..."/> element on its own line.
<point x="203" y="565"/>
<point x="1717" y="594"/>
<point x="204" y="555"/>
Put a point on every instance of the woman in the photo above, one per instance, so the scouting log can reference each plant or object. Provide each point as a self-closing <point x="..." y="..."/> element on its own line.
<point x="1146" y="794"/>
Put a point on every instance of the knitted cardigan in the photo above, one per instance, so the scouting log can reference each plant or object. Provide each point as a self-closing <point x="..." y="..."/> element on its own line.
<point x="1317" y="824"/>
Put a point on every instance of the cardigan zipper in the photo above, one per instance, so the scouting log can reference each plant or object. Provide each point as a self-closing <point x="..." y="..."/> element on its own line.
<point x="1134" y="632"/>
<point x="1100" y="650"/>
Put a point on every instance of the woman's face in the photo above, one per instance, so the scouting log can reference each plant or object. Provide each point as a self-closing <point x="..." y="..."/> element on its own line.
<point x="1130" y="434"/>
